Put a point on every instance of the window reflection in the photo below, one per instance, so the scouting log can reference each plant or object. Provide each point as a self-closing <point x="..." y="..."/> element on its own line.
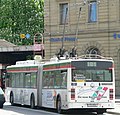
<point x="92" y="11"/>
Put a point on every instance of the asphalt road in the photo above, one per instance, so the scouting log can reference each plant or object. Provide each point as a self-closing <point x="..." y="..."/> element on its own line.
<point x="24" y="110"/>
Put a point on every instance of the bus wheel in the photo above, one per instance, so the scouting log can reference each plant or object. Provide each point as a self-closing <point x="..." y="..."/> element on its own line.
<point x="11" y="99"/>
<point x="32" y="101"/>
<point x="100" y="112"/>
<point x="58" y="105"/>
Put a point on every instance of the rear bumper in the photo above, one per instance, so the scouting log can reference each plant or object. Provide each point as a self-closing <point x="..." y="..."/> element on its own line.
<point x="91" y="106"/>
<point x="84" y="107"/>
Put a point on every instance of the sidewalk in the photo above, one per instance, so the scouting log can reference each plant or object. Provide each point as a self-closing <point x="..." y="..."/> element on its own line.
<point x="115" y="111"/>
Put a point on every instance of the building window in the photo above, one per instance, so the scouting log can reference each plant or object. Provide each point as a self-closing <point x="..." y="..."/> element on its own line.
<point x="64" y="13"/>
<point x="93" y="50"/>
<point x="92" y="11"/>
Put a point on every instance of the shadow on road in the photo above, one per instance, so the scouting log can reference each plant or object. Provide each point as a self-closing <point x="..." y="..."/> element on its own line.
<point x="50" y="111"/>
<point x="69" y="112"/>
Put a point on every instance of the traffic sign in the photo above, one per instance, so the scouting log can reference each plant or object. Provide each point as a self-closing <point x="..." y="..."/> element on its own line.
<point x="22" y="36"/>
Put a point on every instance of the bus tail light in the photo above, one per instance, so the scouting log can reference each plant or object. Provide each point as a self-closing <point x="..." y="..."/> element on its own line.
<point x="111" y="94"/>
<point x="72" y="94"/>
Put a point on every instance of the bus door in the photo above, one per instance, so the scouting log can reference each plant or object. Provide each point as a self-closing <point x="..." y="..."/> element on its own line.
<point x="22" y="96"/>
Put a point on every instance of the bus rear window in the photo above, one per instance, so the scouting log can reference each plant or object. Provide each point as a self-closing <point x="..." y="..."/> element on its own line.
<point x="92" y="71"/>
<point x="91" y="75"/>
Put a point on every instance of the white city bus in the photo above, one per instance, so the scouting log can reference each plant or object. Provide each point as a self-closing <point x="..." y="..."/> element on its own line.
<point x="86" y="83"/>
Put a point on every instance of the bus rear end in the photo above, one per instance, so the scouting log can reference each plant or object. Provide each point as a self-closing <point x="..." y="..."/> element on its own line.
<point x="92" y="85"/>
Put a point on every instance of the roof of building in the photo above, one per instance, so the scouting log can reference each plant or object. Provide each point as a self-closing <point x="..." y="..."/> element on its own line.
<point x="4" y="43"/>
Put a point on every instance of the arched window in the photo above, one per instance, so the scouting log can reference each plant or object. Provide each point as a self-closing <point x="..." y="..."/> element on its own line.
<point x="93" y="50"/>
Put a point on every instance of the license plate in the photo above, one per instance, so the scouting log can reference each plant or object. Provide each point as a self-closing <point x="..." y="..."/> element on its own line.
<point x="92" y="105"/>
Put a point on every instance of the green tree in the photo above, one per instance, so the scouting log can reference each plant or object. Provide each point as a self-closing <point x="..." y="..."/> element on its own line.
<point x="21" y="17"/>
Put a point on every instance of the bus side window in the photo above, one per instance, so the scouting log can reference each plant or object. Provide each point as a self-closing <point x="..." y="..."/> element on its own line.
<point x="57" y="80"/>
<point x="64" y="79"/>
<point x="33" y="80"/>
<point x="27" y="80"/>
<point x="51" y="79"/>
<point x="45" y="80"/>
<point x="13" y="80"/>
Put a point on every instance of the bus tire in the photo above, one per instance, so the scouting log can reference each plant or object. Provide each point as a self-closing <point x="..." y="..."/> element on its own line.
<point x="100" y="112"/>
<point x="11" y="98"/>
<point x="32" y="101"/>
<point x="58" y="105"/>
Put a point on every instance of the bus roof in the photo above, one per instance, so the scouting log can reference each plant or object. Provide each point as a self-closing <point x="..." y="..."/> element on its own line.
<point x="55" y="60"/>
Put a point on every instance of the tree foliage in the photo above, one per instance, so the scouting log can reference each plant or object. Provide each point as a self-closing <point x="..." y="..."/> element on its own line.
<point x="21" y="17"/>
